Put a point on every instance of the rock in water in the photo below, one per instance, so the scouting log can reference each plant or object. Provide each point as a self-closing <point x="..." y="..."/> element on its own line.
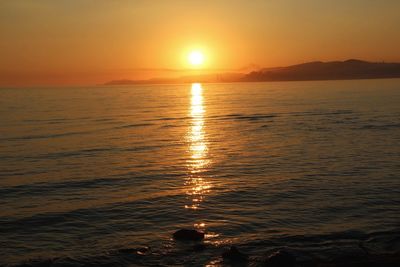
<point x="136" y="251"/>
<point x="234" y="255"/>
<point x="188" y="235"/>
<point x="199" y="247"/>
<point x="280" y="258"/>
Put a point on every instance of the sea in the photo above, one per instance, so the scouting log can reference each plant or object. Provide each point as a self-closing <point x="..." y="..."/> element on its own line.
<point x="104" y="175"/>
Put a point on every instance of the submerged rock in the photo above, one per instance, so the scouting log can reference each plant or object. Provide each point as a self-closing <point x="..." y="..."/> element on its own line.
<point x="188" y="235"/>
<point x="280" y="258"/>
<point x="135" y="251"/>
<point x="234" y="255"/>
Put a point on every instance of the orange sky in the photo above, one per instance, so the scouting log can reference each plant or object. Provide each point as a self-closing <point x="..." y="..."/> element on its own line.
<point x="64" y="42"/>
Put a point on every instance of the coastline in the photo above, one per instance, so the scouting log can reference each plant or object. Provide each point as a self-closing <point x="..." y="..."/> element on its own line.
<point x="144" y="256"/>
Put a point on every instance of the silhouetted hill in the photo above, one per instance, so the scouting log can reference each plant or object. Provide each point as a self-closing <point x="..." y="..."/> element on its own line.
<point x="335" y="70"/>
<point x="317" y="70"/>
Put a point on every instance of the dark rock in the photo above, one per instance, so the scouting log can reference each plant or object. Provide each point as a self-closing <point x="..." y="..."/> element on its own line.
<point x="234" y="255"/>
<point x="188" y="235"/>
<point x="280" y="258"/>
<point x="199" y="247"/>
<point x="136" y="251"/>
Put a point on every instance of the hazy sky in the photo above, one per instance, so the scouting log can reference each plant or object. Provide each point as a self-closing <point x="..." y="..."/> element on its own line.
<point x="83" y="42"/>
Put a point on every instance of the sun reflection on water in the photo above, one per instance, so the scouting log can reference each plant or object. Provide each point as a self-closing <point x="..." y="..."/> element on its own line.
<point x="196" y="183"/>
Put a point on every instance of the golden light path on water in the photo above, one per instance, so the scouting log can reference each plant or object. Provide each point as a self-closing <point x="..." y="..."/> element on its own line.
<point x="197" y="184"/>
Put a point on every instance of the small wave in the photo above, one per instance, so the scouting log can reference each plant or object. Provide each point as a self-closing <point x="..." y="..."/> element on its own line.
<point x="66" y="134"/>
<point x="171" y="118"/>
<point x="321" y="113"/>
<point x="170" y="126"/>
<point x="56" y="187"/>
<point x="381" y="126"/>
<point x="245" y="117"/>
<point x="45" y="136"/>
<point x="133" y="125"/>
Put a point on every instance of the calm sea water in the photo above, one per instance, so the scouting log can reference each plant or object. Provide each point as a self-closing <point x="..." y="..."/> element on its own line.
<point x="85" y="172"/>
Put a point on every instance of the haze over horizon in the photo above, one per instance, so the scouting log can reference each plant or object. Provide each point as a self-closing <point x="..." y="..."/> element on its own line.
<point x="91" y="42"/>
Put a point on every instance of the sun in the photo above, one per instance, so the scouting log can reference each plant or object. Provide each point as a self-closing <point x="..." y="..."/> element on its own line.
<point x="196" y="58"/>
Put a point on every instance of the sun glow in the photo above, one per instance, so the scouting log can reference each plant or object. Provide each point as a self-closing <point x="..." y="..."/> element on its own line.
<point x="196" y="58"/>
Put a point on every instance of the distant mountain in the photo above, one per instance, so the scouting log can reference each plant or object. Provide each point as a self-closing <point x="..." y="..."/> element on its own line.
<point x="334" y="70"/>
<point x="204" y="78"/>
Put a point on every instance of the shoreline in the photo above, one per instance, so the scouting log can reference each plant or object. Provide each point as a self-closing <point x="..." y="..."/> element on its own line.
<point x="191" y="252"/>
